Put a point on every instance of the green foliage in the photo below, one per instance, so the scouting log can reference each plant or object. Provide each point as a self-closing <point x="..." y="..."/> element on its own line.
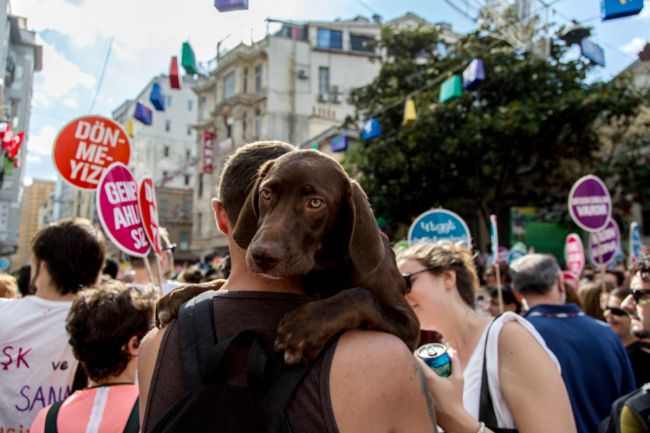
<point x="521" y="139"/>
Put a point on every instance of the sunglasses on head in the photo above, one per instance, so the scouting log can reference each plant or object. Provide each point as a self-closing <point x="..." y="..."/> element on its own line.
<point x="615" y="311"/>
<point x="641" y="296"/>
<point x="408" y="277"/>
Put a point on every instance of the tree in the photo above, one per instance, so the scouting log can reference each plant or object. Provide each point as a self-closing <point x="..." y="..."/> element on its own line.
<point x="521" y="139"/>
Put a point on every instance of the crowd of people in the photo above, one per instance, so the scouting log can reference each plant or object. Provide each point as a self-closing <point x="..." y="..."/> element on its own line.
<point x="80" y="352"/>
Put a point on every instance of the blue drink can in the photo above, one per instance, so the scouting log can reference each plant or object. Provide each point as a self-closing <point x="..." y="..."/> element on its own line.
<point x="435" y="356"/>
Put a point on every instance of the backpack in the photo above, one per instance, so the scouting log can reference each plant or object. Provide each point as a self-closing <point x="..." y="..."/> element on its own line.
<point x="210" y="404"/>
<point x="630" y="413"/>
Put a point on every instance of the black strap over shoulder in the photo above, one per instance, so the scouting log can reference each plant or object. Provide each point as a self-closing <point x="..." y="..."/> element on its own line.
<point x="486" y="407"/>
<point x="133" y="423"/>
<point x="196" y="342"/>
<point x="50" y="418"/>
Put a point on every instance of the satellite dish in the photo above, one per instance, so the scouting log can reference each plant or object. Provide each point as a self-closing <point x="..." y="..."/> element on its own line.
<point x="576" y="33"/>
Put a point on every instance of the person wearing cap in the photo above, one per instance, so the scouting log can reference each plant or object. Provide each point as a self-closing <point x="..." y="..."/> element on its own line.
<point x="595" y="368"/>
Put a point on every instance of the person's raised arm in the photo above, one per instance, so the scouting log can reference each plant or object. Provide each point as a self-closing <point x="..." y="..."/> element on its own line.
<point x="531" y="384"/>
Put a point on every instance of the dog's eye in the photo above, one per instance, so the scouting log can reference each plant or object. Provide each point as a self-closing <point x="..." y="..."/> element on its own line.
<point x="315" y="203"/>
<point x="265" y="194"/>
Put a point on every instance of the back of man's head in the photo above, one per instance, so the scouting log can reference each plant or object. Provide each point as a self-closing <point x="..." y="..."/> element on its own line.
<point x="72" y="250"/>
<point x="240" y="171"/>
<point x="534" y="274"/>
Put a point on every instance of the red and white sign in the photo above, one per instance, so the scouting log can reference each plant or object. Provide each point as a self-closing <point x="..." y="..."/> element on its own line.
<point x="574" y="254"/>
<point x="208" y="152"/>
<point x="119" y="212"/>
<point x="85" y="147"/>
<point x="149" y="213"/>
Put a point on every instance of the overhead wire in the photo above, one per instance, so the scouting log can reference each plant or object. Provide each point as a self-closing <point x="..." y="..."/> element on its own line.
<point x="101" y="75"/>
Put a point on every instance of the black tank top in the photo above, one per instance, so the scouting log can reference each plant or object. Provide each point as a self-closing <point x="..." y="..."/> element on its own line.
<point x="311" y="407"/>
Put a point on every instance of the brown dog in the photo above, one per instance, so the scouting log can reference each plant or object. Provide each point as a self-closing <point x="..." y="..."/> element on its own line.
<point x="306" y="217"/>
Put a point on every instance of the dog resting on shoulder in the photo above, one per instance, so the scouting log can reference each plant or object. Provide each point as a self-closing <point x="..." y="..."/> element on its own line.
<point x="306" y="217"/>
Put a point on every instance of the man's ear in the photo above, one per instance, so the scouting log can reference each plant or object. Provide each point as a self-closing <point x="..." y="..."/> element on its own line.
<point x="220" y="216"/>
<point x="560" y="284"/>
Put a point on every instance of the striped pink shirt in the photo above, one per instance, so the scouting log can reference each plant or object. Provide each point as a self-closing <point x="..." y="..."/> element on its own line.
<point x="104" y="409"/>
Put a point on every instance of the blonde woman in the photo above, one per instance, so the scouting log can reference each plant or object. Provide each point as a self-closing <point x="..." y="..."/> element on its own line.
<point x="524" y="382"/>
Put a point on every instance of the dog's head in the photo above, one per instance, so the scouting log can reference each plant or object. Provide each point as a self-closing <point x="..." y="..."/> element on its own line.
<point x="306" y="213"/>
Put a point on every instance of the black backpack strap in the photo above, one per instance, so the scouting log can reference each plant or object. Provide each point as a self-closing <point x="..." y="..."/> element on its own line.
<point x="290" y="378"/>
<point x="197" y="337"/>
<point x="50" y="418"/>
<point x="133" y="423"/>
<point x="486" y="408"/>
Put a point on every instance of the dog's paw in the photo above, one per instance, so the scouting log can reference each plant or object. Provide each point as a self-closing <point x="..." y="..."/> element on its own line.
<point x="168" y="306"/>
<point x="302" y="336"/>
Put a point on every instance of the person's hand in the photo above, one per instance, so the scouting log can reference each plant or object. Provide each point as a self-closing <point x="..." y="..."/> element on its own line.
<point x="167" y="307"/>
<point x="447" y="395"/>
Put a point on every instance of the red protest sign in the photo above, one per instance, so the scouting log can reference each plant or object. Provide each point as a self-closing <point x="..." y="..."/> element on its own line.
<point x="149" y="213"/>
<point x="85" y="147"/>
<point x="118" y="210"/>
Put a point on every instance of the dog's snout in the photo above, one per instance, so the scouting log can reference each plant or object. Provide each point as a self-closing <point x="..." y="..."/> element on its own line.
<point x="267" y="255"/>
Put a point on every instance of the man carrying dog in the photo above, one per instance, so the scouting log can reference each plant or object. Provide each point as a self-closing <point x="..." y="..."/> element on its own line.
<point x="365" y="381"/>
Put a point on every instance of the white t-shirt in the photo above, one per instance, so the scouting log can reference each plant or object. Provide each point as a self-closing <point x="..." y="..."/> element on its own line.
<point x="472" y="374"/>
<point x="37" y="367"/>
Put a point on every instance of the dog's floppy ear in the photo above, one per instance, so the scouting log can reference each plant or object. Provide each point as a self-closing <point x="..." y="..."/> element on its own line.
<point x="246" y="224"/>
<point x="366" y="247"/>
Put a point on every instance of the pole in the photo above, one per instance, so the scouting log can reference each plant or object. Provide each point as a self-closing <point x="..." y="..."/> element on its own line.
<point x="148" y="266"/>
<point x="600" y="261"/>
<point x="499" y="289"/>
<point x="160" y="273"/>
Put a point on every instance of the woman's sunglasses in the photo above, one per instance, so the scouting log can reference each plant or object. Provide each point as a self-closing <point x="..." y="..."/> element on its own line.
<point x="408" y="277"/>
<point x="615" y="311"/>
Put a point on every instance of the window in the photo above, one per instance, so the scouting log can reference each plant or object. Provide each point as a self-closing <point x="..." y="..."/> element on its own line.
<point x="199" y="190"/>
<point x="163" y="207"/>
<point x="202" y="107"/>
<point x="199" y="223"/>
<point x="257" y="125"/>
<point x="168" y="101"/>
<point x="187" y="180"/>
<point x="189" y="130"/>
<point x="168" y="125"/>
<point x="190" y="105"/>
<point x="328" y="38"/>
<point x="362" y="43"/>
<point x="323" y="80"/>
<point x="244" y="125"/>
<point x="229" y="86"/>
<point x="188" y="155"/>
<point x="166" y="151"/>
<point x="258" y="78"/>
<point x="245" y="80"/>
<point x="184" y="240"/>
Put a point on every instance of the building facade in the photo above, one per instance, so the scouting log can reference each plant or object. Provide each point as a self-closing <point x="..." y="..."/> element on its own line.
<point x="293" y="85"/>
<point x="20" y="58"/>
<point x="36" y="196"/>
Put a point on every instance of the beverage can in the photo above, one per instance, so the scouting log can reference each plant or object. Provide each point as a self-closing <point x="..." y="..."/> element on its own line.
<point x="436" y="357"/>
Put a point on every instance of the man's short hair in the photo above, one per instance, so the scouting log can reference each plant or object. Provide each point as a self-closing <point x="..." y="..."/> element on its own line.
<point x="534" y="273"/>
<point x="73" y="251"/>
<point x="240" y="172"/>
<point x="101" y="322"/>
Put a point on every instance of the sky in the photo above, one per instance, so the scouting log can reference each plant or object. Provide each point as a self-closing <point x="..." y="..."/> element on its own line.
<point x="76" y="35"/>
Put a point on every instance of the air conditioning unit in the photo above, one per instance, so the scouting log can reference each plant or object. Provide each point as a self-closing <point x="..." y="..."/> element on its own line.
<point x="323" y="97"/>
<point x="302" y="74"/>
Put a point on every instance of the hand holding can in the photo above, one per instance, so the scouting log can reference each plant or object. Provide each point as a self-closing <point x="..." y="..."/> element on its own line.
<point x="436" y="357"/>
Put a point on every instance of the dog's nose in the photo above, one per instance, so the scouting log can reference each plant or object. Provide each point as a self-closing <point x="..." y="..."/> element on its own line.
<point x="266" y="256"/>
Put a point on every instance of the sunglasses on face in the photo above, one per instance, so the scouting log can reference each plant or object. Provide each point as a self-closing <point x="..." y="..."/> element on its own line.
<point x="641" y="296"/>
<point x="408" y="277"/>
<point x="615" y="311"/>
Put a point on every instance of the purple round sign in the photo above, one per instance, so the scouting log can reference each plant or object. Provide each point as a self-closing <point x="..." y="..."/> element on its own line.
<point x="119" y="212"/>
<point x="603" y="245"/>
<point x="590" y="205"/>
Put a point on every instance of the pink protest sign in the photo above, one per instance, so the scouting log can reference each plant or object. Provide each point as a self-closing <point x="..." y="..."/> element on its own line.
<point x="574" y="254"/>
<point x="118" y="210"/>
<point x="149" y="213"/>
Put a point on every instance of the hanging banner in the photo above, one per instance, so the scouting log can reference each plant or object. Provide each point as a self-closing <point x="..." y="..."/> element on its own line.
<point x="119" y="211"/>
<point x="611" y="9"/>
<point x="574" y="254"/>
<point x="494" y="239"/>
<point x="149" y="211"/>
<point x="604" y="244"/>
<point x="592" y="51"/>
<point x="635" y="244"/>
<point x="371" y="129"/>
<point x="230" y="5"/>
<point x="207" y="152"/>
<point x="440" y="224"/>
<point x="85" y="147"/>
<point x="339" y="143"/>
<point x="590" y="205"/>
